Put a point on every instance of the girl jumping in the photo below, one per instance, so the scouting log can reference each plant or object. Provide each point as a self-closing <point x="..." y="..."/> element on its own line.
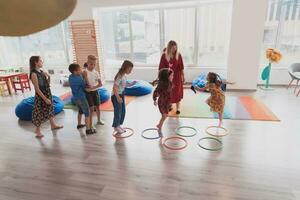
<point x="163" y="93"/>
<point x="216" y="101"/>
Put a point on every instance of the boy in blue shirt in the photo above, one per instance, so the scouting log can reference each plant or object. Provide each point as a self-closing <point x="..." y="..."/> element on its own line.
<point x="78" y="86"/>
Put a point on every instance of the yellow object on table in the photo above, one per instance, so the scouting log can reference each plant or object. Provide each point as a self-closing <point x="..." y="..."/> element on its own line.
<point x="3" y="88"/>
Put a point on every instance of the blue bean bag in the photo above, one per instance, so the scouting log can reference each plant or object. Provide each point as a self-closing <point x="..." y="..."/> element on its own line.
<point x="24" y="108"/>
<point x="201" y="81"/>
<point x="104" y="95"/>
<point x="139" y="89"/>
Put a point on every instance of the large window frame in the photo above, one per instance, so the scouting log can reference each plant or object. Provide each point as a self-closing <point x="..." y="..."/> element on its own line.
<point x="21" y="54"/>
<point x="161" y="8"/>
<point x="281" y="14"/>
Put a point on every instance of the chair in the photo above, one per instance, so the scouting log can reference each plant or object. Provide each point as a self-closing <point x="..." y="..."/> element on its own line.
<point x="3" y="88"/>
<point x="22" y="81"/>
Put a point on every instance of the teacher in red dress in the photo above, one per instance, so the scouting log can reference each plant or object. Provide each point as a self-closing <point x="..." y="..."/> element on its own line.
<point x="172" y="59"/>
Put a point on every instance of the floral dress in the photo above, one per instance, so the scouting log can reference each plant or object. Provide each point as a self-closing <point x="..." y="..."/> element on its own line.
<point x="216" y="101"/>
<point x="164" y="98"/>
<point x="41" y="111"/>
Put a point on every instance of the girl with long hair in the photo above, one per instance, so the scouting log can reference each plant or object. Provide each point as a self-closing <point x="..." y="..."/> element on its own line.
<point x="172" y="59"/>
<point x="43" y="104"/>
<point x="162" y="95"/>
<point x="118" y="101"/>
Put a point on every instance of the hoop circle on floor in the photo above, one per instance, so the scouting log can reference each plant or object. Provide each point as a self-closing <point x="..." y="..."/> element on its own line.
<point x="214" y="134"/>
<point x="125" y="136"/>
<point x="177" y="131"/>
<point x="211" y="149"/>
<point x="150" y="138"/>
<point x="173" y="138"/>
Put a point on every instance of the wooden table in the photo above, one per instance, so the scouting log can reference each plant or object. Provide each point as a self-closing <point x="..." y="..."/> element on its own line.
<point x="8" y="79"/>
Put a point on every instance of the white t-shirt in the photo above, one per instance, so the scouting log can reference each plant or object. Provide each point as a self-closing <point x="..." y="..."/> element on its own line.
<point x="93" y="77"/>
<point x="121" y="82"/>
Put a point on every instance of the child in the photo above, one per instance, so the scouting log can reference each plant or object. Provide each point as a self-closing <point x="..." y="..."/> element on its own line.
<point x="163" y="93"/>
<point x="118" y="95"/>
<point x="216" y="101"/>
<point x="43" y="104"/>
<point x="92" y="78"/>
<point x="78" y="85"/>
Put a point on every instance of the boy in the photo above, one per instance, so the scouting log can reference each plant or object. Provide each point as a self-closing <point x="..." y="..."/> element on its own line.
<point x="78" y="85"/>
<point x="92" y="78"/>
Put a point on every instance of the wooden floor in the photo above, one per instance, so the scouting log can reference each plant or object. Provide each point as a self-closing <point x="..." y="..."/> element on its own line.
<point x="260" y="160"/>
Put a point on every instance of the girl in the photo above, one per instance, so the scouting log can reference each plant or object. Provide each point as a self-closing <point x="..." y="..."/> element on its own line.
<point x="172" y="59"/>
<point x="216" y="101"/>
<point x="163" y="93"/>
<point x="118" y="95"/>
<point x="43" y="105"/>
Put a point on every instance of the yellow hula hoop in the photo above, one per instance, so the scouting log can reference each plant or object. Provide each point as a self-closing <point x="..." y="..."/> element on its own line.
<point x="216" y="135"/>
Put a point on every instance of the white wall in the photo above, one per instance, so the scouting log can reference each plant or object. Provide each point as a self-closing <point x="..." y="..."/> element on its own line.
<point x="245" y="44"/>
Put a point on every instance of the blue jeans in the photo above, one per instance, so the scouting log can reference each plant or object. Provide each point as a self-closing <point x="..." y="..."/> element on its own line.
<point x="83" y="107"/>
<point x="119" y="110"/>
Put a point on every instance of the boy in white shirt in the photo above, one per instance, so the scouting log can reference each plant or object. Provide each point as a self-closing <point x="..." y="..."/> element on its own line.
<point x="93" y="80"/>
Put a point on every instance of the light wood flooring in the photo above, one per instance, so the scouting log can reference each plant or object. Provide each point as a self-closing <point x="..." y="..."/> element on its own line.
<point x="260" y="160"/>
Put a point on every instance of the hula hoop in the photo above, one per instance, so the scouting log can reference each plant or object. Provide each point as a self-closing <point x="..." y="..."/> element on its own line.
<point x="215" y="135"/>
<point x="211" y="149"/>
<point x="150" y="138"/>
<point x="175" y="148"/>
<point x="126" y="136"/>
<point x="177" y="131"/>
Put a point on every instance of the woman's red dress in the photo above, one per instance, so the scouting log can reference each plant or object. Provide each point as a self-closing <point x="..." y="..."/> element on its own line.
<point x="177" y="66"/>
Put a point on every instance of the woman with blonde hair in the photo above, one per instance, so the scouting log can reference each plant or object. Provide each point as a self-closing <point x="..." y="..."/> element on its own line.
<point x="172" y="59"/>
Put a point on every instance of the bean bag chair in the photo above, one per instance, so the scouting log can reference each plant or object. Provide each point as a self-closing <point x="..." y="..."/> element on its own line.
<point x="104" y="95"/>
<point x="141" y="88"/>
<point x="201" y="81"/>
<point x="24" y="109"/>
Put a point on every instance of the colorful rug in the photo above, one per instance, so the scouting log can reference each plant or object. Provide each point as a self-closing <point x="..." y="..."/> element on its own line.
<point x="236" y="108"/>
<point x="106" y="106"/>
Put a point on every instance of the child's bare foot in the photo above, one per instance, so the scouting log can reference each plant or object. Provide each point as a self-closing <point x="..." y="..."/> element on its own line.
<point x="159" y="130"/>
<point x="160" y="133"/>
<point x="38" y="134"/>
<point x="55" y="127"/>
<point x="220" y="124"/>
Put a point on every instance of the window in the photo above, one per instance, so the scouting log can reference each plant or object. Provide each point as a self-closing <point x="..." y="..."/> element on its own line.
<point x="145" y="36"/>
<point x="51" y="44"/>
<point x="180" y="26"/>
<point x="116" y="34"/>
<point x="283" y="32"/>
<point x="214" y="27"/>
<point x="201" y="29"/>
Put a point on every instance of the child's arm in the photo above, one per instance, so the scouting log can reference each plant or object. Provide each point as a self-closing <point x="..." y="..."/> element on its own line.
<point x="130" y="84"/>
<point x="84" y="75"/>
<point x="99" y="82"/>
<point x="155" y="96"/>
<point x="228" y="82"/>
<point x="98" y="85"/>
<point x="35" y="83"/>
<point x="47" y="77"/>
<point x="116" y="93"/>
<point x="201" y="89"/>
